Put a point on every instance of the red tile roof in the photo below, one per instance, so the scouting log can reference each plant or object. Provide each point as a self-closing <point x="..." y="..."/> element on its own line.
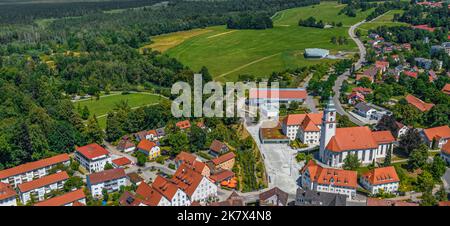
<point x="444" y="203"/>
<point x="362" y="90"/>
<point x="297" y="119"/>
<point x="446" y="148"/>
<point x="186" y="158"/>
<point x="352" y="138"/>
<point x="223" y="158"/>
<point x="123" y="161"/>
<point x="6" y="191"/>
<point x="280" y="93"/>
<point x="382" y="175"/>
<point x="424" y="27"/>
<point x="148" y="195"/>
<point x="92" y="151"/>
<point x="418" y="103"/>
<point x="384" y="202"/>
<point x="440" y="132"/>
<point x="381" y="64"/>
<point x="152" y="132"/>
<point x="43" y="181"/>
<point x="411" y="74"/>
<point x="31" y="166"/>
<point x="183" y="124"/>
<point x="216" y="146"/>
<point x="308" y="125"/>
<point x="337" y="177"/>
<point x="446" y="89"/>
<point x="146" y="145"/>
<point x="383" y="137"/>
<point x="165" y="186"/>
<point x="106" y="175"/>
<point x="187" y="179"/>
<point x="64" y="199"/>
<point x="222" y="175"/>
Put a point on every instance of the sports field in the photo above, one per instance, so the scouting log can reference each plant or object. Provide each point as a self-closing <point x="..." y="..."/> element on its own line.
<point x="107" y="103"/>
<point x="228" y="53"/>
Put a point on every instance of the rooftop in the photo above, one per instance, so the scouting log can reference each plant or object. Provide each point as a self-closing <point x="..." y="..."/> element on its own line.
<point x="282" y="94"/>
<point x="382" y="175"/>
<point x="223" y="158"/>
<point x="92" y="151"/>
<point x="43" y="181"/>
<point x="64" y="199"/>
<point x="437" y="133"/>
<point x="6" y="191"/>
<point x="328" y="176"/>
<point x="27" y="167"/>
<point x="106" y="175"/>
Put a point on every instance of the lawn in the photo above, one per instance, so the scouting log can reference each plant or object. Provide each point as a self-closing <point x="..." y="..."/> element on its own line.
<point x="228" y="53"/>
<point x="383" y="20"/>
<point x="107" y="103"/>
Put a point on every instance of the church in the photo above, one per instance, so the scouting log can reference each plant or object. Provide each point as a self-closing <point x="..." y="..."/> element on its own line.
<point x="337" y="143"/>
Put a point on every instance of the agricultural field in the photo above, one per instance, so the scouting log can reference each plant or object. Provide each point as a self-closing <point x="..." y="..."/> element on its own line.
<point x="229" y="53"/>
<point x="383" y="20"/>
<point x="107" y="103"/>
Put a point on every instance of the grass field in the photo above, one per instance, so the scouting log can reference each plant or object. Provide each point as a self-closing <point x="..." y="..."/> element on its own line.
<point x="383" y="20"/>
<point x="107" y="103"/>
<point x="228" y="53"/>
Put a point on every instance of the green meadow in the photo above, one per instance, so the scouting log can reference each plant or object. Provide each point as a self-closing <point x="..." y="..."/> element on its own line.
<point x="383" y="20"/>
<point x="229" y="53"/>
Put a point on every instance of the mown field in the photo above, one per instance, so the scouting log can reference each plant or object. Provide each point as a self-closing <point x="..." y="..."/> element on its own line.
<point x="107" y="103"/>
<point x="228" y="53"/>
<point x="383" y="20"/>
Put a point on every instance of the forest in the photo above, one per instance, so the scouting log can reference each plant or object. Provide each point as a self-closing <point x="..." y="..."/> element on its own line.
<point x="250" y="21"/>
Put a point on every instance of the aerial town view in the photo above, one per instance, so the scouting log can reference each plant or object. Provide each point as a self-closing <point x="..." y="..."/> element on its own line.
<point x="351" y="105"/>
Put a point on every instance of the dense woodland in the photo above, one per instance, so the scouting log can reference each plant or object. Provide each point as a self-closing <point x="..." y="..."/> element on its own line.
<point x="250" y="21"/>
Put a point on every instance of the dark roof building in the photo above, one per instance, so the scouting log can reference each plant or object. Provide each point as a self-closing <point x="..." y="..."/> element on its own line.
<point x="314" y="198"/>
<point x="273" y="197"/>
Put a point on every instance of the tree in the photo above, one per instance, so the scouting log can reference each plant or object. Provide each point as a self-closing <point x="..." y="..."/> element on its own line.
<point x="351" y="162"/>
<point x="85" y="113"/>
<point x="425" y="182"/>
<point x="441" y="194"/>
<point x="113" y="127"/>
<point x="438" y="168"/>
<point x="207" y="77"/>
<point x="73" y="182"/>
<point x="365" y="82"/>
<point x="93" y="132"/>
<point x="105" y="195"/>
<point x="418" y="157"/>
<point x="178" y="141"/>
<point x="108" y="166"/>
<point x="197" y="138"/>
<point x="410" y="141"/>
<point x="141" y="159"/>
<point x="388" y="158"/>
<point x="387" y="122"/>
<point x="428" y="199"/>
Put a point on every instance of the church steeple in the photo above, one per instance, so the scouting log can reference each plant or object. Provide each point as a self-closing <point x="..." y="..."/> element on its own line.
<point x="328" y="129"/>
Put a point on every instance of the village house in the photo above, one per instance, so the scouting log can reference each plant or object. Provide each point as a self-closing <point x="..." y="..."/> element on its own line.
<point x="40" y="187"/>
<point x="217" y="148"/>
<point x="369" y="73"/>
<point x="445" y="152"/>
<point x="170" y="191"/>
<point x="68" y="199"/>
<point x="365" y="110"/>
<point x="226" y="178"/>
<point x="7" y="195"/>
<point x="355" y="98"/>
<point x="111" y="180"/>
<point x="418" y="103"/>
<point x="125" y="145"/>
<point x="362" y="90"/>
<point x="436" y="137"/>
<point x="225" y="161"/>
<point x="382" y="65"/>
<point x="186" y="124"/>
<point x="191" y="160"/>
<point x="381" y="179"/>
<point x="197" y="187"/>
<point x="150" y="197"/>
<point x="92" y="157"/>
<point x="384" y="202"/>
<point x="337" y="143"/>
<point x="149" y="149"/>
<point x="317" y="178"/>
<point x="32" y="170"/>
<point x="233" y="200"/>
<point x="446" y="89"/>
<point x="400" y="129"/>
<point x="134" y="178"/>
<point x="121" y="162"/>
<point x="315" y="198"/>
<point x="273" y="197"/>
<point x="412" y="74"/>
<point x="305" y="127"/>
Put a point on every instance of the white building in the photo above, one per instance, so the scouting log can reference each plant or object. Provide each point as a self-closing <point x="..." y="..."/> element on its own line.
<point x="437" y="135"/>
<point x="7" y="195"/>
<point x="39" y="187"/>
<point x="67" y="199"/>
<point x="337" y="143"/>
<point x="171" y="192"/>
<point x="317" y="178"/>
<point x="445" y="152"/>
<point x="32" y="170"/>
<point x="197" y="187"/>
<point x="111" y="180"/>
<point x="259" y="96"/>
<point x="384" y="178"/>
<point x="305" y="127"/>
<point x="92" y="157"/>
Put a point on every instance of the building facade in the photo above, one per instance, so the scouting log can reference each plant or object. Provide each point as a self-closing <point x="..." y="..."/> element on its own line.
<point x="92" y="157"/>
<point x="40" y="187"/>
<point x="381" y="179"/>
<point x="110" y="180"/>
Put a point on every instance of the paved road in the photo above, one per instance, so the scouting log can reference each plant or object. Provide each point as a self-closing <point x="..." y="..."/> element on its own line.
<point x="309" y="102"/>
<point x="338" y="84"/>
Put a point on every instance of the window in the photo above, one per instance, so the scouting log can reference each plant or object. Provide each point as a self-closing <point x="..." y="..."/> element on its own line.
<point x="330" y="126"/>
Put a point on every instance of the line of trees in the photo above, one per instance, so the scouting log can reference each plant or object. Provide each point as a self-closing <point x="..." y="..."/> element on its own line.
<point x="250" y="21"/>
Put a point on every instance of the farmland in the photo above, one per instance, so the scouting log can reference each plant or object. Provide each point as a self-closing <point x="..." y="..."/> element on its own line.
<point x="229" y="53"/>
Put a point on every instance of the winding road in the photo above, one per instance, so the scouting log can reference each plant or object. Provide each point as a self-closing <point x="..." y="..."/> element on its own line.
<point x="338" y="84"/>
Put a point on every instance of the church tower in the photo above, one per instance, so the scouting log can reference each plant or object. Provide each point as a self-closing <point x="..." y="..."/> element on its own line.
<point x="328" y="128"/>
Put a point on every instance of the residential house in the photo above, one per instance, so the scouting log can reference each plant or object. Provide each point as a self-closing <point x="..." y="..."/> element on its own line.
<point x="446" y="89"/>
<point x="412" y="74"/>
<point x="381" y="179"/>
<point x="436" y="137"/>
<point x="40" y="187"/>
<point x="218" y="148"/>
<point x="233" y="200"/>
<point x="317" y="178"/>
<point x="191" y="160"/>
<point x="125" y="145"/>
<point x="315" y="198"/>
<point x="135" y="179"/>
<point x="445" y="152"/>
<point x="362" y="90"/>
<point x="183" y="124"/>
<point x="170" y="191"/>
<point x="400" y="129"/>
<point x="355" y="97"/>
<point x="369" y="73"/>
<point x="149" y="149"/>
<point x="225" y="161"/>
<point x="364" y="110"/>
<point x="382" y="65"/>
<point x="418" y="103"/>
<point x="273" y="197"/>
<point x="67" y="199"/>
<point x="305" y="127"/>
<point x="7" y="195"/>
<point x="385" y="202"/>
<point x="424" y="27"/>
<point x="32" y="170"/>
<point x="150" y="196"/>
<point x="226" y="178"/>
<point x="197" y="187"/>
<point x="111" y="180"/>
<point x="92" y="157"/>
<point x="121" y="162"/>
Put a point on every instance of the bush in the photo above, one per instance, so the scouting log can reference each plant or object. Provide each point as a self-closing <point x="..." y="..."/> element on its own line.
<point x="171" y="166"/>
